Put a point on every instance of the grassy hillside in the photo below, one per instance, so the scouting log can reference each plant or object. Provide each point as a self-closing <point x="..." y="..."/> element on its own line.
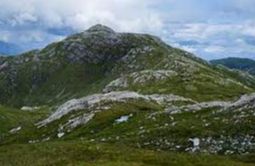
<point x="85" y="63"/>
<point x="150" y="127"/>
<point x="11" y="118"/>
<point x="83" y="153"/>
<point x="149" y="137"/>
<point x="108" y="98"/>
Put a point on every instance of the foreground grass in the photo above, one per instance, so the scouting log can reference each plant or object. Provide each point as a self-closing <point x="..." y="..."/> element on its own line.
<point x="96" y="143"/>
<point x="83" y="153"/>
<point x="148" y="127"/>
<point x="11" y="117"/>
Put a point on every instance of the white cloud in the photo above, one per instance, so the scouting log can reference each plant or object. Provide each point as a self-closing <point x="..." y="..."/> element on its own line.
<point x="5" y="35"/>
<point x="124" y="15"/>
<point x="186" y="48"/>
<point x="21" y="19"/>
<point x="206" y="30"/>
<point x="28" y="22"/>
<point x="214" y="49"/>
<point x="218" y="26"/>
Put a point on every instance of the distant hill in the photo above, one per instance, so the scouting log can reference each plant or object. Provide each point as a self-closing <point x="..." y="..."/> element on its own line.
<point x="244" y="64"/>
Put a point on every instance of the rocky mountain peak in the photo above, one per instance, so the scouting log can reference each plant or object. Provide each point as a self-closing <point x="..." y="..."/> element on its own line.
<point x="100" y="28"/>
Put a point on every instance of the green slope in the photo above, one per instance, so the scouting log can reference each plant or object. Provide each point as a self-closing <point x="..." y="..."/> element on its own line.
<point x="87" y="154"/>
<point x="89" y="131"/>
<point x="11" y="118"/>
<point x="85" y="63"/>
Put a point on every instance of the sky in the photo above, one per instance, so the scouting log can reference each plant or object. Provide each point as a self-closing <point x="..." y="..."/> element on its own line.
<point x="210" y="29"/>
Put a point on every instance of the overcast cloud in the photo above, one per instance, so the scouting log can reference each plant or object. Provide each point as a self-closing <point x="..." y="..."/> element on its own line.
<point x="210" y="29"/>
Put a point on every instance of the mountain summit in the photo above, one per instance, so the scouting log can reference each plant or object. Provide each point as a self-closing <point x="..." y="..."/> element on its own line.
<point x="100" y="28"/>
<point x="103" y="60"/>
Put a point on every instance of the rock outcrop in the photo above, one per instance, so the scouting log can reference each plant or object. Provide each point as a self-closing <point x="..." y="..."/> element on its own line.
<point x="93" y="101"/>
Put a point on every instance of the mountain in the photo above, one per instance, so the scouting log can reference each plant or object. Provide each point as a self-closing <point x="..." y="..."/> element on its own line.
<point x="107" y="98"/>
<point x="244" y="64"/>
<point x="87" y="62"/>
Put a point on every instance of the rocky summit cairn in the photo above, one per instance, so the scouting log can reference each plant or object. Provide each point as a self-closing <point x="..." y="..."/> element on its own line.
<point x="100" y="28"/>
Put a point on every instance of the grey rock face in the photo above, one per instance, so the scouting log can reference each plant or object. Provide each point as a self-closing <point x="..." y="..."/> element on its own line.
<point x="102" y="44"/>
<point x="141" y="77"/>
<point x="4" y="65"/>
<point x="80" y="120"/>
<point x="89" y="102"/>
<point x="205" y="105"/>
<point x="246" y="101"/>
<point x="15" y="130"/>
<point x="95" y="102"/>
